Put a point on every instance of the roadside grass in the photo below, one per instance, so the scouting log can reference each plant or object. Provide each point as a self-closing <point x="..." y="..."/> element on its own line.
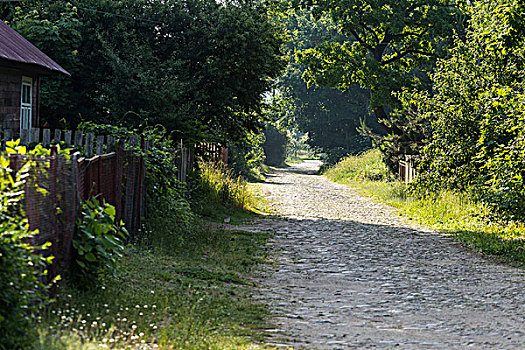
<point x="220" y="194"/>
<point x="195" y="298"/>
<point x="450" y="213"/>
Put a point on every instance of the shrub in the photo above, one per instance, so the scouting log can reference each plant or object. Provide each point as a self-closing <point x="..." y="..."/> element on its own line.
<point x="22" y="265"/>
<point x="98" y="241"/>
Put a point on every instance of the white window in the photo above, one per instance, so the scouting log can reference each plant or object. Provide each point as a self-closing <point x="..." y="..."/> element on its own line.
<point x="26" y="104"/>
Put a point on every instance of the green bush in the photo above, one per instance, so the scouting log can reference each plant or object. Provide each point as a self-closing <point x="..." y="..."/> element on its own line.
<point x="368" y="166"/>
<point x="22" y="265"/>
<point x="246" y="157"/>
<point x="476" y="113"/>
<point x="98" y="241"/>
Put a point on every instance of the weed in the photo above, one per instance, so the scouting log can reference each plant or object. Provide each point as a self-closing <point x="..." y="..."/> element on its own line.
<point x="218" y="193"/>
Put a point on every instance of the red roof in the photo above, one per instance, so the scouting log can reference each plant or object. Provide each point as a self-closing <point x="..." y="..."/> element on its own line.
<point x="14" y="47"/>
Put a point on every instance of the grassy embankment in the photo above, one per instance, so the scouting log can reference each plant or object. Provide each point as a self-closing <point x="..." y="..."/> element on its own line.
<point x="194" y="295"/>
<point x="450" y="213"/>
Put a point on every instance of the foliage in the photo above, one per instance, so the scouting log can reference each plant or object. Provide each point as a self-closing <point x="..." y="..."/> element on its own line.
<point x="476" y="114"/>
<point x="195" y="297"/>
<point x="198" y="67"/>
<point x="218" y="185"/>
<point x="369" y="166"/>
<point x="449" y="212"/>
<point x="329" y="116"/>
<point x="275" y="145"/>
<point x="98" y="241"/>
<point x="384" y="46"/>
<point x="246" y="156"/>
<point x="22" y="264"/>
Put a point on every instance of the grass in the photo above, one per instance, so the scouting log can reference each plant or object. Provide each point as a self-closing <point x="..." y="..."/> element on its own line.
<point x="220" y="194"/>
<point x="195" y="298"/>
<point x="450" y="213"/>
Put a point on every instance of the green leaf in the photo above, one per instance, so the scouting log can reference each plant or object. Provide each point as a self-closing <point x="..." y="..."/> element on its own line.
<point x="91" y="257"/>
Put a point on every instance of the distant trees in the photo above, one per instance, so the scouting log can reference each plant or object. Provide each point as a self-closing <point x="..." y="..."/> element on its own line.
<point x="199" y="67"/>
<point x="384" y="46"/>
<point x="329" y="116"/>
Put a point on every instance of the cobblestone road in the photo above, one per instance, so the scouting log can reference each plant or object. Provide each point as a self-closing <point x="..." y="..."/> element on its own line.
<point x="351" y="274"/>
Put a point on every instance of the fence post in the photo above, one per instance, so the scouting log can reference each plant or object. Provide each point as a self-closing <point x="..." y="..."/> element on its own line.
<point x="117" y="183"/>
<point x="129" y="190"/>
<point x="139" y="205"/>
<point x="53" y="163"/>
<point x="184" y="163"/>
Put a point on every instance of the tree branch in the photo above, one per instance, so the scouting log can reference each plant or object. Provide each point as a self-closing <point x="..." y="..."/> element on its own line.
<point x="401" y="55"/>
<point x="361" y="41"/>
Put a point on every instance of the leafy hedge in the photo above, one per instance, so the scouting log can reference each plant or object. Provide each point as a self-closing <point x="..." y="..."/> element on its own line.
<point x="22" y="264"/>
<point x="476" y="115"/>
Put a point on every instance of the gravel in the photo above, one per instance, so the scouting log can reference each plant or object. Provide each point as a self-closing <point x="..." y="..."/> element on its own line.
<point x="350" y="273"/>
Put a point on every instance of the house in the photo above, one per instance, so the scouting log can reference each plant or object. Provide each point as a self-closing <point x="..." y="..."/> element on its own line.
<point x="21" y="66"/>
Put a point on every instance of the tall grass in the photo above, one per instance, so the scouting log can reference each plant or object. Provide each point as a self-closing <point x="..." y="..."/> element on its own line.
<point x="452" y="213"/>
<point x="368" y="166"/>
<point x="221" y="185"/>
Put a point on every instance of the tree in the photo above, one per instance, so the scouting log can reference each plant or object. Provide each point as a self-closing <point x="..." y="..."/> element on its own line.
<point x="329" y="116"/>
<point x="476" y="113"/>
<point x="198" y="67"/>
<point x="384" y="46"/>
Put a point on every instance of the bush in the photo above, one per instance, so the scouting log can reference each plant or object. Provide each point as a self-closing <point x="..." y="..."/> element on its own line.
<point x="476" y="113"/>
<point x="98" y="241"/>
<point x="22" y="265"/>
<point x="246" y="157"/>
<point x="368" y="166"/>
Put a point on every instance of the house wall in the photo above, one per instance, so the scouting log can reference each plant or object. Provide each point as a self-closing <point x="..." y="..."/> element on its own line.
<point x="10" y="98"/>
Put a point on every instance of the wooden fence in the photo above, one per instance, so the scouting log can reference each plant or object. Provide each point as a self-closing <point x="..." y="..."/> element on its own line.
<point x="91" y="144"/>
<point x="407" y="168"/>
<point x="103" y="166"/>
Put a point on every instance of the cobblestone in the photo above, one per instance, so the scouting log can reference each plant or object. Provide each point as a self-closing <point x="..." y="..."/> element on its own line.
<point x="350" y="273"/>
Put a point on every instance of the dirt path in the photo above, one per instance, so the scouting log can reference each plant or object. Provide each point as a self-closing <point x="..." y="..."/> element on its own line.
<point x="351" y="274"/>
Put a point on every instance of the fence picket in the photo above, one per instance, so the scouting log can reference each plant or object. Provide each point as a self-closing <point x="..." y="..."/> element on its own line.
<point x="46" y="137"/>
<point x="89" y="144"/>
<point x="7" y="135"/>
<point x="58" y="136"/>
<point x="67" y="137"/>
<point x="100" y="145"/>
<point x="78" y="138"/>
<point x="24" y="136"/>
<point x="34" y="135"/>
<point x="111" y="142"/>
<point x="134" y="140"/>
